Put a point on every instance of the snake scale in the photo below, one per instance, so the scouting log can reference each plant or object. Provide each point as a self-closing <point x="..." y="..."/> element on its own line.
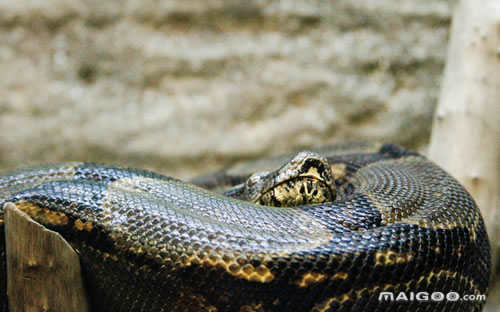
<point x="147" y="242"/>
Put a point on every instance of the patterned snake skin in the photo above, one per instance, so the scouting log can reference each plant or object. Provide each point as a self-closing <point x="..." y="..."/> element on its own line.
<point x="152" y="243"/>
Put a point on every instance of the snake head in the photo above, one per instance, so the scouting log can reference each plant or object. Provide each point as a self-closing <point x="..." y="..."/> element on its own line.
<point x="306" y="179"/>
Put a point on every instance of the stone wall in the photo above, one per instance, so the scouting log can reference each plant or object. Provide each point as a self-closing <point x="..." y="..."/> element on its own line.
<point x="179" y="86"/>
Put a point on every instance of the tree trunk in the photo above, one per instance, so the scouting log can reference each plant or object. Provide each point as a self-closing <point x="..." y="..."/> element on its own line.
<point x="465" y="137"/>
<point x="43" y="270"/>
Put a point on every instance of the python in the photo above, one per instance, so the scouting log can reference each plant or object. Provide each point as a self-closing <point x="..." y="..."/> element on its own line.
<point x="382" y="219"/>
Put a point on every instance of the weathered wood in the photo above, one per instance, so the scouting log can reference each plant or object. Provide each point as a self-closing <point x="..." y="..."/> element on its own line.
<point x="43" y="270"/>
<point x="465" y="137"/>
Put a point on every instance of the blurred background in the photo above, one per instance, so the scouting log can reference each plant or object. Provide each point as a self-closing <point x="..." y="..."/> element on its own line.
<point x="186" y="87"/>
<point x="181" y="86"/>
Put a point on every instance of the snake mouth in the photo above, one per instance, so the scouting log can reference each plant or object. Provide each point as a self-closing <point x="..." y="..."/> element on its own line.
<point x="301" y="190"/>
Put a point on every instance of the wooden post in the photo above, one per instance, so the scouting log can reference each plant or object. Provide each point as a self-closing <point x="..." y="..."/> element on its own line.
<point x="465" y="136"/>
<point x="43" y="271"/>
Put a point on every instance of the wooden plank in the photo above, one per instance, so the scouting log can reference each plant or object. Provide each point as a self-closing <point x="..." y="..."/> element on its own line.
<point x="43" y="270"/>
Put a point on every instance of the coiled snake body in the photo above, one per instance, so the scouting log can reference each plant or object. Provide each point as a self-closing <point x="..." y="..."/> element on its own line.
<point x="397" y="223"/>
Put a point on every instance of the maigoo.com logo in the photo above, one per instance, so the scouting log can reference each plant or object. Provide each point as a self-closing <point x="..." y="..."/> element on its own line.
<point x="424" y="296"/>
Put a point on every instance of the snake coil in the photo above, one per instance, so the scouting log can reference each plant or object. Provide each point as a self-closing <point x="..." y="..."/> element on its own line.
<point x="148" y="242"/>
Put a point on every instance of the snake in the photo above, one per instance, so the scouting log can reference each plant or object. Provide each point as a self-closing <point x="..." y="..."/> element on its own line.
<point x="345" y="227"/>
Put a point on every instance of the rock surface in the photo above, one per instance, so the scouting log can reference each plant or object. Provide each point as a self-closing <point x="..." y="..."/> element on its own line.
<point x="180" y="86"/>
